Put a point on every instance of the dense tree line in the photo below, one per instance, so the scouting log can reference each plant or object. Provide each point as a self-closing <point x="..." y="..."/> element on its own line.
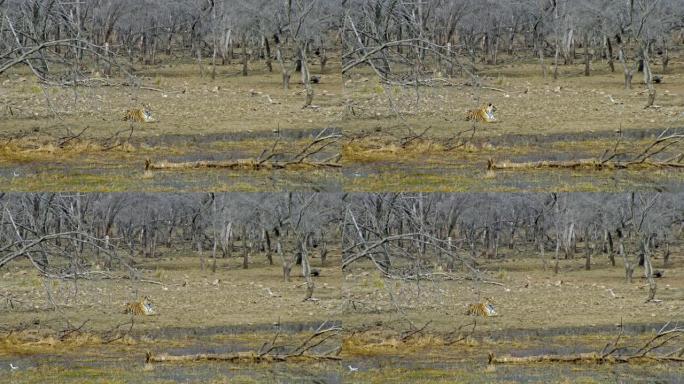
<point x="413" y="235"/>
<point x="67" y="42"/>
<point x="431" y="39"/>
<point x="71" y="235"/>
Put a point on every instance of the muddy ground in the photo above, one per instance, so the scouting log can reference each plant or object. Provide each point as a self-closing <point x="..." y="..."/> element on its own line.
<point x="574" y="117"/>
<point x="575" y="311"/>
<point x="231" y="117"/>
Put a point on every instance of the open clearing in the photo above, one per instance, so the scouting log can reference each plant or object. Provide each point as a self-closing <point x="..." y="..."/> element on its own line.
<point x="231" y="117"/>
<point x="231" y="310"/>
<point x="540" y="313"/>
<point x="572" y="118"/>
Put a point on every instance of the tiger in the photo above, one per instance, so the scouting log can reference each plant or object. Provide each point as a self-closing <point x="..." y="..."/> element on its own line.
<point x="482" y="115"/>
<point x="139" y="115"/>
<point x="484" y="309"/>
<point x="140" y="308"/>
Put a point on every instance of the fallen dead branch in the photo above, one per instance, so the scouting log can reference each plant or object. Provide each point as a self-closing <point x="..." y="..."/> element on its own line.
<point x="409" y="334"/>
<point x="585" y="358"/>
<point x="645" y="158"/>
<point x="612" y="353"/>
<point x="265" y="161"/>
<point x="66" y="333"/>
<point x="579" y="164"/>
<point x="242" y="164"/>
<point x="266" y="354"/>
<point x="240" y="357"/>
<point x="115" y="333"/>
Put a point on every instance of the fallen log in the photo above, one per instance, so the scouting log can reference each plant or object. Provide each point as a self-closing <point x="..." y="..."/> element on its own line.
<point x="242" y="164"/>
<point x="594" y="164"/>
<point x="240" y="357"/>
<point x="586" y="358"/>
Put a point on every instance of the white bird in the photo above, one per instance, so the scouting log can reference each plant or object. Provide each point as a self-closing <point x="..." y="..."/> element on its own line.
<point x="13" y="367"/>
<point x="613" y="294"/>
<point x="614" y="101"/>
<point x="15" y="174"/>
<point x="353" y="369"/>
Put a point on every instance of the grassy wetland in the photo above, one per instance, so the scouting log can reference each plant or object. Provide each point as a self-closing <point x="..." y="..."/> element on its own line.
<point x="245" y="301"/>
<point x="248" y="287"/>
<point x="586" y="98"/>
<point x="410" y="280"/>
<point x="539" y="119"/>
<point x="77" y="141"/>
<point x="182" y="96"/>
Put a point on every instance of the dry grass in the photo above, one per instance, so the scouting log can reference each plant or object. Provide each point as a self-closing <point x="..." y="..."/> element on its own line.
<point x="186" y="104"/>
<point x="529" y="104"/>
<point x="530" y="298"/>
<point x="575" y="117"/>
<point x="186" y="297"/>
<point x="231" y="117"/>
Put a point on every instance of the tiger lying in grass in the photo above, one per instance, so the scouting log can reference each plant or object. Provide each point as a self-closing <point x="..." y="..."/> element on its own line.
<point x="139" y="115"/>
<point x="482" y="115"/>
<point x="484" y="309"/>
<point x="140" y="308"/>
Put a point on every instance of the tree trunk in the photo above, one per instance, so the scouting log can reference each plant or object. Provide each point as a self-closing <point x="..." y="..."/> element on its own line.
<point x="541" y="60"/>
<point x="587" y="57"/>
<point x="629" y="268"/>
<point x="609" y="45"/>
<point x="214" y="52"/>
<point x="648" y="77"/>
<point x="306" y="269"/>
<point x="557" y="256"/>
<point x="201" y="254"/>
<point x="269" y="251"/>
<point x="611" y="250"/>
<point x="324" y="60"/>
<point x="245" y="59"/>
<point x="324" y="253"/>
<point x="287" y="265"/>
<point x="588" y="250"/>
<point x="245" y="252"/>
<point x="199" y="60"/>
<point x="648" y="270"/>
<point x="629" y="73"/>
<point x="269" y="63"/>
<point x="306" y="78"/>
<point x="555" y="61"/>
<point x="213" y="255"/>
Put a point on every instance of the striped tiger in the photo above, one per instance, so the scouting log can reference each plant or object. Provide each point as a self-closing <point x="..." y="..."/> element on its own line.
<point x="139" y="115"/>
<point x="140" y="308"/>
<point x="484" y="309"/>
<point x="482" y="115"/>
